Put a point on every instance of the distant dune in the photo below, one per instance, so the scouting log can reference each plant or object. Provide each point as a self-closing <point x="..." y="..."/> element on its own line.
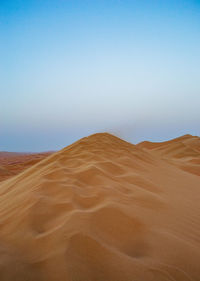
<point x="184" y="152"/>
<point x="103" y="209"/>
<point x="12" y="163"/>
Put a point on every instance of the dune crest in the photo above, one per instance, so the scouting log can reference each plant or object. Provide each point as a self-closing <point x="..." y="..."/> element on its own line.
<point x="104" y="209"/>
<point x="184" y="152"/>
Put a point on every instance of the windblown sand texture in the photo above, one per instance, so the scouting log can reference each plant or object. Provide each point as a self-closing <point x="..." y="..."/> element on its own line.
<point x="103" y="209"/>
<point x="12" y="163"/>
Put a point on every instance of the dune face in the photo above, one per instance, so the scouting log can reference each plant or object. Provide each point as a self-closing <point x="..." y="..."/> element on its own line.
<point x="184" y="152"/>
<point x="103" y="209"/>
<point x="12" y="163"/>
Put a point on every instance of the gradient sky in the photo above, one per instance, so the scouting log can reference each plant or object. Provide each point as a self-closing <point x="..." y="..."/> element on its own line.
<point x="71" y="68"/>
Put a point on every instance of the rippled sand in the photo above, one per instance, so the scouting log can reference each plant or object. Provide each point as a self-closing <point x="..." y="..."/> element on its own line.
<point x="103" y="209"/>
<point x="12" y="163"/>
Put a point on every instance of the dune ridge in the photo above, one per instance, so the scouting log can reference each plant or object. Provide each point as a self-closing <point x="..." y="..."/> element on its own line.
<point x="184" y="152"/>
<point x="104" y="209"/>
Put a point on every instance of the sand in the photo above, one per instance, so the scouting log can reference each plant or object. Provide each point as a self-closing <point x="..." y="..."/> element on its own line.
<point x="103" y="209"/>
<point x="12" y="163"/>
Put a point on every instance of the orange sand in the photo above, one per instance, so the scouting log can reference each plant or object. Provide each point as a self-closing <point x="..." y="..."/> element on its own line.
<point x="12" y="163"/>
<point x="103" y="209"/>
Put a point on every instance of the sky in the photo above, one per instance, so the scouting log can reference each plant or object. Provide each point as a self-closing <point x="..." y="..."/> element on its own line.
<point x="70" y="68"/>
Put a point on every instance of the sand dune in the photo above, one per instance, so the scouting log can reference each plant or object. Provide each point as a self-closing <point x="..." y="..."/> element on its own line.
<point x="103" y="209"/>
<point x="12" y="163"/>
<point x="184" y="152"/>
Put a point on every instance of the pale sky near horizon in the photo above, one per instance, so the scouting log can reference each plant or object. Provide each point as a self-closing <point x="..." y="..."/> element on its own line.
<point x="71" y="68"/>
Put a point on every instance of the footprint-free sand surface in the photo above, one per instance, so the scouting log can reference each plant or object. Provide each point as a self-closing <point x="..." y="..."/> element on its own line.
<point x="12" y="163"/>
<point x="103" y="209"/>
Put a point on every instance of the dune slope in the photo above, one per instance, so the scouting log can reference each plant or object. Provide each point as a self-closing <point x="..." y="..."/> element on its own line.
<point x="101" y="209"/>
<point x="184" y="152"/>
<point x="12" y="163"/>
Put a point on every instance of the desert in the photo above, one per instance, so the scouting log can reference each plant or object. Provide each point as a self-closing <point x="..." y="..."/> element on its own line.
<point x="99" y="140"/>
<point x="103" y="209"/>
<point x="12" y="163"/>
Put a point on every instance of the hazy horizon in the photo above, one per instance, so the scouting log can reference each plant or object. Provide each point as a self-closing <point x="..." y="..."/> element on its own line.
<point x="76" y="139"/>
<point x="73" y="68"/>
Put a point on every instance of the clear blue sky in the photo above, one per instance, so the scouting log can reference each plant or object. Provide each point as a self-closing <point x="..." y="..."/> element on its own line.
<point x="71" y="68"/>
